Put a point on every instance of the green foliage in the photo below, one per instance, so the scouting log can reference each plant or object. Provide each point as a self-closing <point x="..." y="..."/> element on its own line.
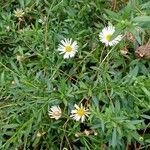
<point x="34" y="77"/>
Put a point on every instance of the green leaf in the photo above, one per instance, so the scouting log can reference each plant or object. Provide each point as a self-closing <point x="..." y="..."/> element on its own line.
<point x="21" y="3"/>
<point x="27" y="2"/>
<point x="146" y="92"/>
<point x="113" y="15"/>
<point x="37" y="2"/>
<point x="10" y="126"/>
<point x="136" y="34"/>
<point x="2" y="78"/>
<point x="136" y="121"/>
<point x="146" y="5"/>
<point x="135" y="71"/>
<point x="141" y="19"/>
<point x="145" y="116"/>
<point x="114" y="137"/>
<point x="147" y="141"/>
<point x="96" y="126"/>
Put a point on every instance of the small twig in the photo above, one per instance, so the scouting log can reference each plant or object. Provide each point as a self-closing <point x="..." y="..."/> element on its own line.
<point x="114" y="4"/>
<point x="68" y="75"/>
<point x="109" y="95"/>
<point x="144" y="134"/>
<point x="107" y="55"/>
<point x="9" y="105"/>
<point x="68" y="143"/>
<point x="46" y="32"/>
<point x="64" y="127"/>
<point x="102" y="54"/>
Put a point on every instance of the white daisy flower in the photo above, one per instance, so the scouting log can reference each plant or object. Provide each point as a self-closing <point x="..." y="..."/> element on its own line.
<point x="68" y="48"/>
<point x="79" y="113"/>
<point x="106" y="36"/>
<point x="19" y="13"/>
<point x="55" y="112"/>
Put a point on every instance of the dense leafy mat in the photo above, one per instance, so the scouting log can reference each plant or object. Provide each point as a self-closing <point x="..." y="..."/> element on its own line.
<point x="112" y="82"/>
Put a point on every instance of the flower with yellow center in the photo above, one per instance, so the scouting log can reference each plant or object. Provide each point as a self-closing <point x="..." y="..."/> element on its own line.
<point x="19" y="13"/>
<point x="106" y="36"/>
<point x="79" y="113"/>
<point x="55" y="112"/>
<point x="68" y="48"/>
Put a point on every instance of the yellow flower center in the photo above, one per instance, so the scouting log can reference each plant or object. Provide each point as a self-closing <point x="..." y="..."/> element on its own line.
<point x="108" y="37"/>
<point x="68" y="48"/>
<point x="81" y="112"/>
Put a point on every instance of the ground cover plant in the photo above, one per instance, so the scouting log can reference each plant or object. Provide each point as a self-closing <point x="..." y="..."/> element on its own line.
<point x="74" y="75"/>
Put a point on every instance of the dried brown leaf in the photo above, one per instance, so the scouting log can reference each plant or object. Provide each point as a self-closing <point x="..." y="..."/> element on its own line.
<point x="143" y="51"/>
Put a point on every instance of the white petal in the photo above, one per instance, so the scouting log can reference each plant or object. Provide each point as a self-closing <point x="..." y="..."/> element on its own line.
<point x="74" y="111"/>
<point x="59" y="108"/>
<point x="81" y="106"/>
<point x="57" y="117"/>
<point x="61" y="49"/>
<point x="70" y="41"/>
<point x="66" y="56"/>
<point x="54" y="108"/>
<point x="105" y="30"/>
<point x="78" y="117"/>
<point x="87" y="112"/>
<point x="72" y="55"/>
<point x="74" y="44"/>
<point x="63" y="42"/>
<point x="76" y="106"/>
<point x="82" y="118"/>
<point x="111" y="29"/>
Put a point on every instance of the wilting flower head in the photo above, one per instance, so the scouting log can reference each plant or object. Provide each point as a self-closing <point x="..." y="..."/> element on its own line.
<point x="68" y="48"/>
<point x="79" y="113"/>
<point x="19" y="58"/>
<point x="19" y="13"/>
<point x="106" y="36"/>
<point x="55" y="112"/>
